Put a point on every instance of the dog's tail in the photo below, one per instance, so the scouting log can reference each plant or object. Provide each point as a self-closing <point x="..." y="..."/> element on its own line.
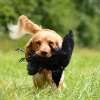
<point x="24" y="26"/>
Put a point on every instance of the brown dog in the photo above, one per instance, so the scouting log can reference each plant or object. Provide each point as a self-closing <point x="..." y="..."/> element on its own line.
<point x="41" y="42"/>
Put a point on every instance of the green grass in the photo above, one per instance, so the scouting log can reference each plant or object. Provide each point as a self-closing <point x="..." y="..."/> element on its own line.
<point x="82" y="80"/>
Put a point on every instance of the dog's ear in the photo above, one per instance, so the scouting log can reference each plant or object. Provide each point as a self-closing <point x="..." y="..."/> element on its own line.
<point x="27" y="25"/>
<point x="28" y="49"/>
<point x="23" y="27"/>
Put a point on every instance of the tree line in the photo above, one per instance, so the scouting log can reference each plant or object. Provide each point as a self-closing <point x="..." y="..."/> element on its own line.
<point x="82" y="16"/>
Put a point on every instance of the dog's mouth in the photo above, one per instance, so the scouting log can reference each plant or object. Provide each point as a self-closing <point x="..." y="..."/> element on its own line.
<point x="35" y="55"/>
<point x="45" y="56"/>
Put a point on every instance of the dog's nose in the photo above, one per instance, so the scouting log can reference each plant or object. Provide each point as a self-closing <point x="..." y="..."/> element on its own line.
<point x="44" y="53"/>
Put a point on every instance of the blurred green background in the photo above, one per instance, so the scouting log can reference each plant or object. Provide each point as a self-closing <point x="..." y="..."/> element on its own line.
<point x="82" y="76"/>
<point x="82" y="16"/>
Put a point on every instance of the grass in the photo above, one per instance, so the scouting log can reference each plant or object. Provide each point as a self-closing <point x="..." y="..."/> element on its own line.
<point x="82" y="80"/>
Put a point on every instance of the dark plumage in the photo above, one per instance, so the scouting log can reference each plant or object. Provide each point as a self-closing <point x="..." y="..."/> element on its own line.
<point x="56" y="63"/>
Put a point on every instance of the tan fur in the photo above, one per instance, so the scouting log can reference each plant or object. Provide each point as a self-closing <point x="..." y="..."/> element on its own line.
<point x="40" y="42"/>
<point x="27" y="25"/>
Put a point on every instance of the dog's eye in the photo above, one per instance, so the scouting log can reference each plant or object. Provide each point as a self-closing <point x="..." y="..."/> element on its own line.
<point x="50" y="43"/>
<point x="38" y="42"/>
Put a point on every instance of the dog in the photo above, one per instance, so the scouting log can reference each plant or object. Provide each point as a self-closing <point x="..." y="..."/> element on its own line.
<point x="41" y="42"/>
<point x="56" y="63"/>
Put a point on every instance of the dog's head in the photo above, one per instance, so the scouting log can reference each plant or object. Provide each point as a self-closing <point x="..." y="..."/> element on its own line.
<point x="42" y="39"/>
<point x="42" y="43"/>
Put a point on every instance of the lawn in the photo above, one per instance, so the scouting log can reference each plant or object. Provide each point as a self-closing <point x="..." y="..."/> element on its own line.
<point x="82" y="80"/>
